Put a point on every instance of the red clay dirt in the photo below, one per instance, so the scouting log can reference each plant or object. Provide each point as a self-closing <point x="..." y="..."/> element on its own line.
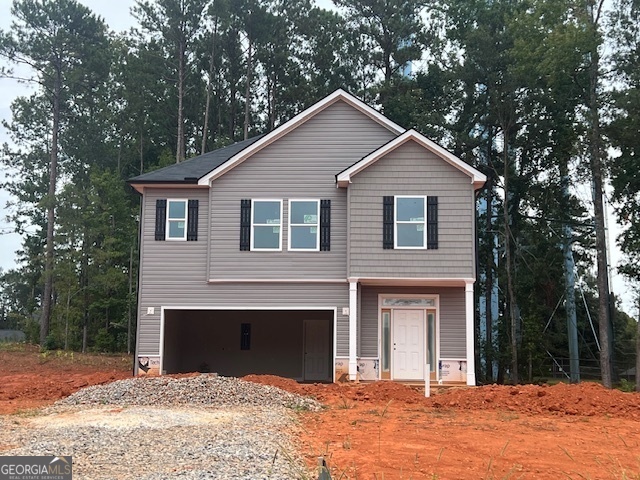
<point x="30" y="379"/>
<point x="390" y="431"/>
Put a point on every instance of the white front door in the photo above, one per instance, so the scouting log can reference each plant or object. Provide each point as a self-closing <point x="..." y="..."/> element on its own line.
<point x="317" y="346"/>
<point x="408" y="345"/>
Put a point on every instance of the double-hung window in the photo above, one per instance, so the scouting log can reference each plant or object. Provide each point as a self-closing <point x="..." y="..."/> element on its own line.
<point x="410" y="222"/>
<point x="304" y="223"/>
<point x="176" y="219"/>
<point x="266" y="225"/>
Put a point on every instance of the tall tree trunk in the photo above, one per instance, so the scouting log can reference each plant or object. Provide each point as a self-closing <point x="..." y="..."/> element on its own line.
<point x="207" y="107"/>
<point x="180" y="148"/>
<point x="247" y="94"/>
<point x="569" y="277"/>
<point x="51" y="205"/>
<point x="141" y="153"/>
<point x="489" y="282"/>
<point x="595" y="154"/>
<point x="271" y="101"/>
<point x="513" y="321"/>
<point x="219" y="104"/>
<point x="84" y="266"/>
<point x="232" y="111"/>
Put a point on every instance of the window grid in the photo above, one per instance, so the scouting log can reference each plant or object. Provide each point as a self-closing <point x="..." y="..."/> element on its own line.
<point x="173" y="220"/>
<point x="422" y="222"/>
<point x="315" y="224"/>
<point x="254" y="204"/>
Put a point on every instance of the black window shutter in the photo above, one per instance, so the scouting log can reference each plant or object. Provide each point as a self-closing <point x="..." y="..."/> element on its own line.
<point x="245" y="225"/>
<point x="161" y="218"/>
<point x="387" y="223"/>
<point x="192" y="221"/>
<point x="325" y="225"/>
<point x="432" y="223"/>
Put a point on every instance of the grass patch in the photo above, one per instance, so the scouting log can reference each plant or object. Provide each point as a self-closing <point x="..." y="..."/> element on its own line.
<point x="344" y="404"/>
<point x="15" y="347"/>
<point x="507" y="416"/>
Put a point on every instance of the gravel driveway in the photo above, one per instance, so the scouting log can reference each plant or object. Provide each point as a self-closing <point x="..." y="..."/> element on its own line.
<point x="149" y="429"/>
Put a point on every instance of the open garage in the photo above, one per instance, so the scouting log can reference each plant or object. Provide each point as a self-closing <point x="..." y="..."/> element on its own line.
<point x="296" y="344"/>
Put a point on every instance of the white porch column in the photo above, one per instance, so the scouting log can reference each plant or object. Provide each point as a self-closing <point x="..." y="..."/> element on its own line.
<point x="469" y="309"/>
<point x="353" y="329"/>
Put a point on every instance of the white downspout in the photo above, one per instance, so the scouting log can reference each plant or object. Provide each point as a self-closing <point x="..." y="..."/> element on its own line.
<point x="470" y="331"/>
<point x="353" y="330"/>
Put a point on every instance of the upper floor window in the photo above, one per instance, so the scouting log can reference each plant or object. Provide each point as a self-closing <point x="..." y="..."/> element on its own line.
<point x="304" y="222"/>
<point x="176" y="219"/>
<point x="411" y="222"/>
<point x="266" y="225"/>
<point x="261" y="225"/>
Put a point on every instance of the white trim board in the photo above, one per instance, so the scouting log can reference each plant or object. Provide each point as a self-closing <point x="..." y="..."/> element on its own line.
<point x="413" y="282"/>
<point x="478" y="179"/>
<point x="140" y="187"/>
<point x="277" y="280"/>
<point x="296" y="122"/>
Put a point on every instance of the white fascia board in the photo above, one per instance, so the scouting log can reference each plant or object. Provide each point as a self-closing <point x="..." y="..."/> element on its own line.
<point x="140" y="187"/>
<point x="478" y="179"/>
<point x="416" y="282"/>
<point x="277" y="280"/>
<point x="295" y="122"/>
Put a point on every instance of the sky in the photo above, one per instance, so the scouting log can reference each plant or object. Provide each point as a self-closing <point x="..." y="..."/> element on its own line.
<point x="117" y="15"/>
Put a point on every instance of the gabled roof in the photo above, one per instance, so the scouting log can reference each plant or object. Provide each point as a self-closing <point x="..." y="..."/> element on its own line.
<point x="294" y="123"/>
<point x="190" y="171"/>
<point x="478" y="179"/>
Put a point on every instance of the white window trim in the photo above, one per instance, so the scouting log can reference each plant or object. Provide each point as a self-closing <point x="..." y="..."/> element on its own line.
<point x="291" y="224"/>
<point x="396" y="221"/>
<point x="253" y="225"/>
<point x="168" y="236"/>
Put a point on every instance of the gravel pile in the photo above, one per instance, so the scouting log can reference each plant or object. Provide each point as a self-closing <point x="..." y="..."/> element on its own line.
<point x="201" y="390"/>
<point x="155" y="443"/>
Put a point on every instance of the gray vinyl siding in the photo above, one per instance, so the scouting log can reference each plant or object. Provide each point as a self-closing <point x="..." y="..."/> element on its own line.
<point x="452" y="318"/>
<point x="412" y="170"/>
<point x="174" y="273"/>
<point x="302" y="164"/>
<point x="168" y="269"/>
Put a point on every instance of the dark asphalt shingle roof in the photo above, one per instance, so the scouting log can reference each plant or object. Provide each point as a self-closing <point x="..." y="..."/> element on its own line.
<point x="190" y="171"/>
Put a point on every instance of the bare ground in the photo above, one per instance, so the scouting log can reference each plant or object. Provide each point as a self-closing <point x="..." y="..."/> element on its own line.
<point x="390" y="431"/>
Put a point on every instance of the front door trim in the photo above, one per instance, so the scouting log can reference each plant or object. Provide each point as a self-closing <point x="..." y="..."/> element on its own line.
<point x="426" y="309"/>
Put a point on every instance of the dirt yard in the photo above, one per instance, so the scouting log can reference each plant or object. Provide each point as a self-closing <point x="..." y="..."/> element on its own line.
<point x="389" y="431"/>
<point x="30" y="379"/>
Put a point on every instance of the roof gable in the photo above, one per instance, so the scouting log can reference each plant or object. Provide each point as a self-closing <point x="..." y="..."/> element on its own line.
<point x="301" y="118"/>
<point x="477" y="178"/>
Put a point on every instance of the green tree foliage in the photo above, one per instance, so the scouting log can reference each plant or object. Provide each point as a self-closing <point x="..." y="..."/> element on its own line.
<point x="175" y="26"/>
<point x="623" y="130"/>
<point x="63" y="44"/>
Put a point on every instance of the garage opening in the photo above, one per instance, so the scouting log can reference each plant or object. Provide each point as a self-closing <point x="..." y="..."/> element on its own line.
<point x="294" y="344"/>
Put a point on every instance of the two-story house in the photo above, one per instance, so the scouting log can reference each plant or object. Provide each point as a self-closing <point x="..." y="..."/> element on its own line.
<point x="338" y="246"/>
